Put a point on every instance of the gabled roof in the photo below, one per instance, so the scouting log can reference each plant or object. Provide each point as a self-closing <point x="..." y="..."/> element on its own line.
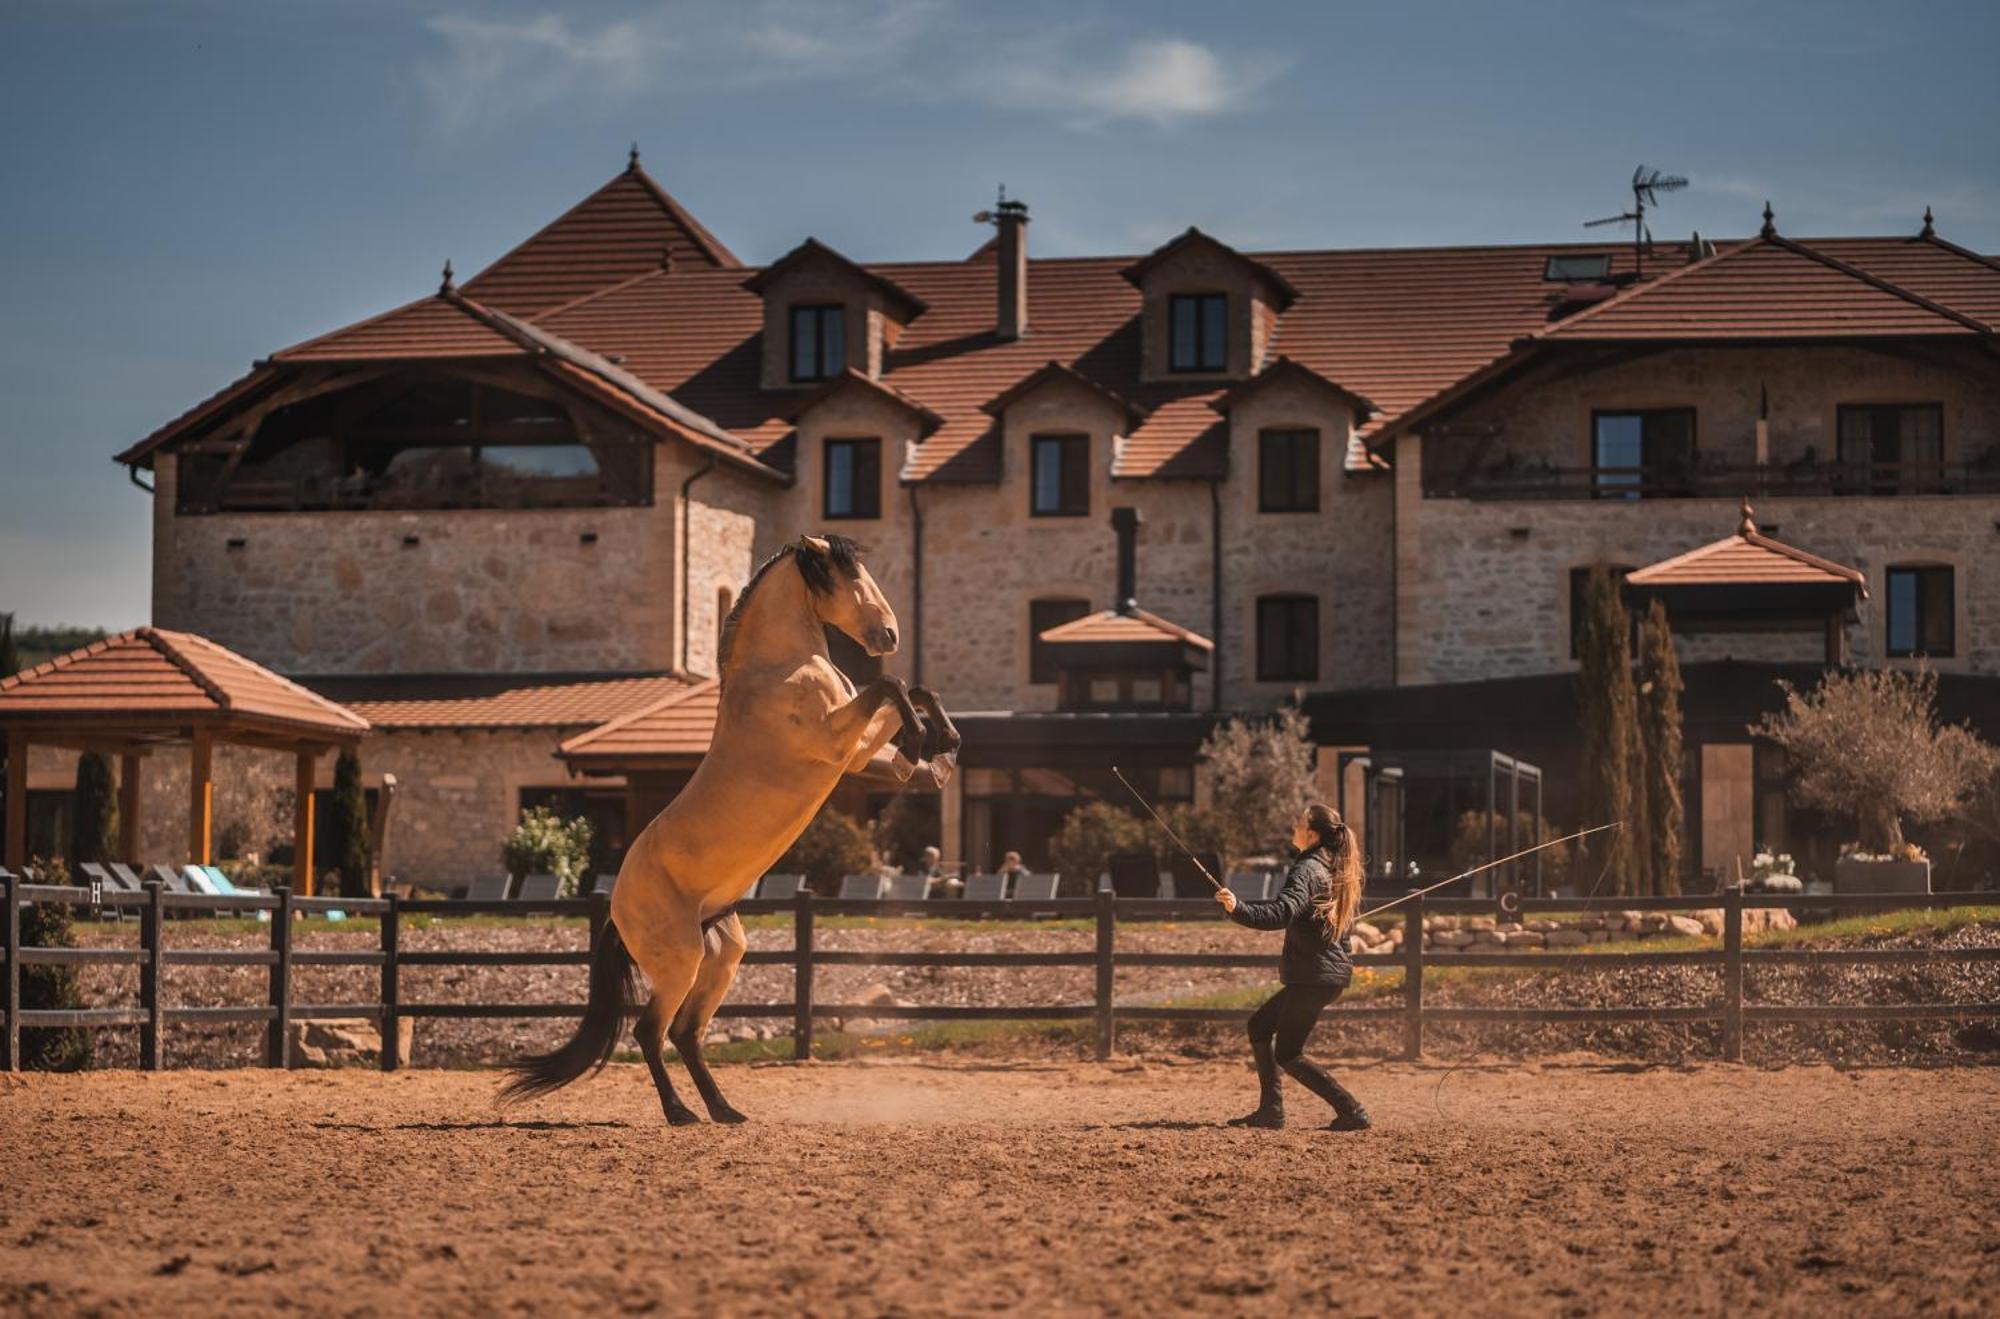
<point x="1768" y="288"/>
<point x="1928" y="266"/>
<point x="675" y="728"/>
<point x="1748" y="558"/>
<point x="1052" y="371"/>
<point x="852" y="379"/>
<point x="625" y="228"/>
<point x="497" y="700"/>
<point x="813" y="250"/>
<point x="1114" y="627"/>
<point x="153" y="677"/>
<point x="1284" y="368"/>
<point x="444" y="325"/>
<point x="1192" y="237"/>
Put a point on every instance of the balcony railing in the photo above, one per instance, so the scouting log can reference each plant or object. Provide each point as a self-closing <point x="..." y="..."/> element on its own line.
<point x="1529" y="481"/>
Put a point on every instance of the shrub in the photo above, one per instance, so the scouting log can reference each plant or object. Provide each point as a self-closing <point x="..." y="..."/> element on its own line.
<point x="347" y="827"/>
<point x="543" y="844"/>
<point x="1260" y="777"/>
<point x="1867" y="744"/>
<point x="1086" y="840"/>
<point x="1610" y="732"/>
<point x="1202" y="830"/>
<point x="906" y="826"/>
<point x="93" y="833"/>
<point x="47" y="925"/>
<point x="1660" y="762"/>
<point x="833" y="845"/>
<point x="1468" y="845"/>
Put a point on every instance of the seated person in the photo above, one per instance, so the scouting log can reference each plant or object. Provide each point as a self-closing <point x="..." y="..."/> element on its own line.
<point x="1012" y="869"/>
<point x="937" y="883"/>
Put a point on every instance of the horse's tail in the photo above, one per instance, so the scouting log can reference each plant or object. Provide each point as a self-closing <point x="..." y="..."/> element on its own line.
<point x="590" y="1048"/>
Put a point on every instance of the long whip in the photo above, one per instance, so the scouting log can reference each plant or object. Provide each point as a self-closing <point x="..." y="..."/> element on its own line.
<point x="1168" y="829"/>
<point x="1466" y="874"/>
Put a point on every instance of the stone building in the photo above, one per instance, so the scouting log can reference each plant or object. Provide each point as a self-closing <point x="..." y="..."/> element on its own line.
<point x="516" y="510"/>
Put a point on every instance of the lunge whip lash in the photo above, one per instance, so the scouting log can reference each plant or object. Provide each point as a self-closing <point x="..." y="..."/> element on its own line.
<point x="1466" y="874"/>
<point x="1168" y="829"/>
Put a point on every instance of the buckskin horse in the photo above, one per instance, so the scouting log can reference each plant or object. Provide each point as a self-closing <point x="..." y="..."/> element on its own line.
<point x="790" y="724"/>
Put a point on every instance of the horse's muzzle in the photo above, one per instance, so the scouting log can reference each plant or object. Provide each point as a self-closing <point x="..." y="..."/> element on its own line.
<point x="881" y="641"/>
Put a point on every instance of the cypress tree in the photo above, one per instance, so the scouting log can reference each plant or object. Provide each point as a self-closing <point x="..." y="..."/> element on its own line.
<point x="1610" y="732"/>
<point x="347" y="826"/>
<point x="93" y="833"/>
<point x="1660" y="774"/>
<point x="10" y="658"/>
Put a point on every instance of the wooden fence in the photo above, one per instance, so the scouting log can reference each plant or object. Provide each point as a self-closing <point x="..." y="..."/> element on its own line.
<point x="805" y="956"/>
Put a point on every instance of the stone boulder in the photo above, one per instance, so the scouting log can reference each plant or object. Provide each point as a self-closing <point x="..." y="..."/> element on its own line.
<point x="1688" y="925"/>
<point x="1568" y="938"/>
<point x="1526" y="939"/>
<point x="1769" y="918"/>
<point x="346" y="1042"/>
<point x="1453" y="938"/>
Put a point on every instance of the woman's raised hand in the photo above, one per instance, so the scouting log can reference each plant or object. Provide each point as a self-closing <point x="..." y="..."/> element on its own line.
<point x="1226" y="898"/>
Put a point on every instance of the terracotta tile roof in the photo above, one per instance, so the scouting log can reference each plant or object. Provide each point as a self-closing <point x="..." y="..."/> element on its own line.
<point x="498" y="700"/>
<point x="1927" y="266"/>
<point x="151" y="675"/>
<point x="675" y="727"/>
<point x="1191" y="236"/>
<point x="1769" y="288"/>
<point x="435" y="327"/>
<point x="852" y="379"/>
<point x="1113" y="626"/>
<point x="1745" y="559"/>
<point x="240" y="390"/>
<point x="908" y="303"/>
<point x="623" y="229"/>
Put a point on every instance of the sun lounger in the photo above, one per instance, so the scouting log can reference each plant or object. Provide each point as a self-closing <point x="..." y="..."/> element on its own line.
<point x="173" y="881"/>
<point x="1135" y="875"/>
<point x="907" y="888"/>
<point x="1036" y="888"/>
<point x="539" y="888"/>
<point x="604" y="883"/>
<point x="129" y="877"/>
<point x="1250" y="885"/>
<point x="489" y="888"/>
<point x="868" y="887"/>
<point x="985" y="888"/>
<point x="779" y="888"/>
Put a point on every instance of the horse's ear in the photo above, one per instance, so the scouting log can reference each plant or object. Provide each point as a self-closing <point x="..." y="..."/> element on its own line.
<point x="817" y="544"/>
<point x="814" y="564"/>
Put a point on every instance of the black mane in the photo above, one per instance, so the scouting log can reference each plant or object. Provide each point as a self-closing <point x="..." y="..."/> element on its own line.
<point x="814" y="567"/>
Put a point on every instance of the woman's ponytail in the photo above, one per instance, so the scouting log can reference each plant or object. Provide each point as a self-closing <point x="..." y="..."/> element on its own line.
<point x="1343" y="852"/>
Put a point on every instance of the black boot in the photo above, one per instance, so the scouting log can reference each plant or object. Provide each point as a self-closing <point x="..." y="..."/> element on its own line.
<point x="1348" y="1115"/>
<point x="1270" y="1113"/>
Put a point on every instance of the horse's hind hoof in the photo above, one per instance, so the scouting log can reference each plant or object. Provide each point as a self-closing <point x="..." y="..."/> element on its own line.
<point x="727" y="1116"/>
<point x="682" y="1117"/>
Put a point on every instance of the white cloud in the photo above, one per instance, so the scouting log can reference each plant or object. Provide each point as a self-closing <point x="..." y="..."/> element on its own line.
<point x="491" y="69"/>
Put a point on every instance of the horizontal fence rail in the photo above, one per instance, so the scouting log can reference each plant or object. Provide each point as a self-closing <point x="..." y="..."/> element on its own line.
<point x="1103" y="913"/>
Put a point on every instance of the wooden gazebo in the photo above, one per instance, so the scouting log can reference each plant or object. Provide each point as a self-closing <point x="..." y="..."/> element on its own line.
<point x="149" y="688"/>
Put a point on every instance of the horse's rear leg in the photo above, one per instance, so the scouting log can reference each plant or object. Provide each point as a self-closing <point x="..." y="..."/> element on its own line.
<point x="671" y="965"/>
<point x="651" y="1025"/>
<point x="722" y="951"/>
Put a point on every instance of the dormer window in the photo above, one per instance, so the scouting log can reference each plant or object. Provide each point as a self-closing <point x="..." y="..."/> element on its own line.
<point x="819" y="341"/>
<point x="1200" y="328"/>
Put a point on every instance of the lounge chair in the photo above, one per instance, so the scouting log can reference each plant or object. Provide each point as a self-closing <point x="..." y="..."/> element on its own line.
<point x="224" y="885"/>
<point x="539" y="888"/>
<point x="173" y="881"/>
<point x="129" y="877"/>
<point x="1250" y="885"/>
<point x="779" y="888"/>
<point x="985" y="888"/>
<point x="489" y="888"/>
<point x="1036" y="887"/>
<point x="108" y="884"/>
<point x="604" y="882"/>
<point x="867" y="887"/>
<point x="1135" y="875"/>
<point x="1185" y="879"/>
<point x="907" y="888"/>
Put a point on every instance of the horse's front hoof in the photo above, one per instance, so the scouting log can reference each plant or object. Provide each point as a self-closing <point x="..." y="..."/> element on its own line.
<point x="727" y="1116"/>
<point x="682" y="1117"/>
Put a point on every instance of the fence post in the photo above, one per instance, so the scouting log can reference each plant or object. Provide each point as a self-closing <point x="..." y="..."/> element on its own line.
<point x="1107" y="934"/>
<point x="1732" y="976"/>
<point x="152" y="940"/>
<point x="278" y="1035"/>
<point x="392" y="1017"/>
<point x="802" y="975"/>
<point x="10" y="1037"/>
<point x="1413" y="979"/>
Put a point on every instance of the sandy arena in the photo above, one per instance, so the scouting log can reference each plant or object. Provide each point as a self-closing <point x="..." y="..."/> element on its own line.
<point x="1564" y="1187"/>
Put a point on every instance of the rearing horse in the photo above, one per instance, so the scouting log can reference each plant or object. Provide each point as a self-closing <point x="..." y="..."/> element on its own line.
<point x="789" y="726"/>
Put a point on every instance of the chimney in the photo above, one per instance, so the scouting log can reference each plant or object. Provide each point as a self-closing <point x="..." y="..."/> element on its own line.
<point x="1011" y="219"/>
<point x="1125" y="521"/>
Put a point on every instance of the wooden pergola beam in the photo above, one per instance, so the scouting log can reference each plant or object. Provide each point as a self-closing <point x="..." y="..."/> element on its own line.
<point x="129" y="798"/>
<point x="201" y="798"/>
<point x="17" y="799"/>
<point x="303" y="873"/>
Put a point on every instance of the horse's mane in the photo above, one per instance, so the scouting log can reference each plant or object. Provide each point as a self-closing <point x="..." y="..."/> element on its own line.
<point x="814" y="567"/>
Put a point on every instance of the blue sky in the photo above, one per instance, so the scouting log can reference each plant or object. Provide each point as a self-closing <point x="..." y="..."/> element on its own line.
<point x="188" y="186"/>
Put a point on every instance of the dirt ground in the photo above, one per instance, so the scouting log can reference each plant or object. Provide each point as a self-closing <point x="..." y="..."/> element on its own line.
<point x="1569" y="1186"/>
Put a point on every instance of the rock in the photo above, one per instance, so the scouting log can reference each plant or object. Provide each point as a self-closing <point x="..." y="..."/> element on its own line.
<point x="1509" y="927"/>
<point x="1526" y="939"/>
<point x="742" y="1034"/>
<point x="1687" y="925"/>
<point x="1453" y="938"/>
<point x="715" y="1040"/>
<point x="1652" y="923"/>
<point x="876" y="996"/>
<point x="1631" y="920"/>
<point x="1769" y="918"/>
<point x="346" y="1042"/>
<point x="1591" y="923"/>
<point x="1569" y="938"/>
<point x="1499" y="937"/>
<point x="1368" y="933"/>
<point x="1710" y="918"/>
<point x="1396" y="936"/>
<point x="1542" y="927"/>
<point x="1599" y="936"/>
<point x="1480" y="923"/>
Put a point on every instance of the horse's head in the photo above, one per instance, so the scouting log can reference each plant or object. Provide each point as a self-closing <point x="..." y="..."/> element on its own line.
<point x="843" y="594"/>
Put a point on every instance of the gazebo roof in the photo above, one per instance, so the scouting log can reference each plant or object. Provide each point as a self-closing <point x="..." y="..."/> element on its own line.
<point x="155" y="685"/>
<point x="672" y="731"/>
<point x="1116" y="626"/>
<point x="1748" y="558"/>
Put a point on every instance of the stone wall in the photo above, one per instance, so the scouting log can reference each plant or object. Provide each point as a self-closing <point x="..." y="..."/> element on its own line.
<point x="1482" y="587"/>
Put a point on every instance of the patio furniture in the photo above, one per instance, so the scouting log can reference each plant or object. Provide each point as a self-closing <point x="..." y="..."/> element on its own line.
<point x="985" y="888"/>
<point x="1134" y="875"/>
<point x="539" y="888"/>
<point x="1036" y="887"/>
<point x="1184" y="878"/>
<point x="1250" y="885"/>
<point x="131" y="878"/>
<point x="779" y="888"/>
<point x="604" y="883"/>
<point x="866" y="887"/>
<point x="173" y="881"/>
<point x="489" y="888"/>
<point x="907" y="888"/>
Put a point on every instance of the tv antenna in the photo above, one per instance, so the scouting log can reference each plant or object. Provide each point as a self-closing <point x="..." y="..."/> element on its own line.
<point x="1647" y="185"/>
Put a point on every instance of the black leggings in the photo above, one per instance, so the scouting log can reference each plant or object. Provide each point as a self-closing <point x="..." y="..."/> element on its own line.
<point x="1289" y="1017"/>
